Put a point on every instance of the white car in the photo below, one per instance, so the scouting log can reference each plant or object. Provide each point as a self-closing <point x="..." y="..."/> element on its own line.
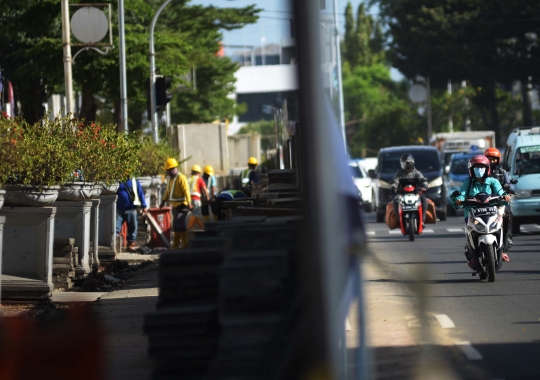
<point x="363" y="183"/>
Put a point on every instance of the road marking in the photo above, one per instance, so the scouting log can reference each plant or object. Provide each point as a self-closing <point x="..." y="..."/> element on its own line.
<point x="454" y="229"/>
<point x="396" y="232"/>
<point x="470" y="352"/>
<point x="347" y="325"/>
<point x="445" y="321"/>
<point x="371" y="233"/>
<point x="429" y="231"/>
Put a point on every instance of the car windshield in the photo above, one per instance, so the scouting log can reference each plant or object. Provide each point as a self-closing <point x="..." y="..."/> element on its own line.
<point x="356" y="172"/>
<point x="460" y="165"/>
<point x="527" y="160"/>
<point x="424" y="161"/>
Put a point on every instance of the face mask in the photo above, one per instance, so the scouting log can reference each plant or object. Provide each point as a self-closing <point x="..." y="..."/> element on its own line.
<point x="479" y="172"/>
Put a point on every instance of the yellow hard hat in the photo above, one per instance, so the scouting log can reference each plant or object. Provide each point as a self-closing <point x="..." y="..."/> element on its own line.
<point x="171" y="163"/>
<point x="253" y="161"/>
<point x="209" y="170"/>
<point x="196" y="168"/>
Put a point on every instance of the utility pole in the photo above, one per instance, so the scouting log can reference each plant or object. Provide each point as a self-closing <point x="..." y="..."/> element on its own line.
<point x="66" y="42"/>
<point x="340" y="82"/>
<point x="153" y="116"/>
<point x="123" y="86"/>
<point x="429" y="125"/>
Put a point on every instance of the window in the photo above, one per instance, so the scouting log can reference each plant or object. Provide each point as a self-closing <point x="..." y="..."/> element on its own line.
<point x="356" y="172"/>
<point x="425" y="161"/>
<point x="527" y="160"/>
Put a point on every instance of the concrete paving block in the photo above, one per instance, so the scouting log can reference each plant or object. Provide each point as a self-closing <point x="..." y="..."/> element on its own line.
<point x="77" y="297"/>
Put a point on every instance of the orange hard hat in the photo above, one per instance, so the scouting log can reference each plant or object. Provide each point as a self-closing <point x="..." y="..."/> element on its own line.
<point x="492" y="152"/>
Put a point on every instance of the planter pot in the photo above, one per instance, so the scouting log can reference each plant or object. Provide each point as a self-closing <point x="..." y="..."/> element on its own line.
<point x="109" y="189"/>
<point x="97" y="190"/>
<point x="2" y="195"/>
<point x="156" y="181"/>
<point x="29" y="196"/>
<point x="145" y="182"/>
<point x="76" y="191"/>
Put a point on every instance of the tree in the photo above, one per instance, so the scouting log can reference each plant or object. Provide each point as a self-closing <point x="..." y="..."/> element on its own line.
<point x="186" y="37"/>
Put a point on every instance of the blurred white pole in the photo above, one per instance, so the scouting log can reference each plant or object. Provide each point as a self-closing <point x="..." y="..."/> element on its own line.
<point x="66" y="41"/>
<point x="123" y="85"/>
<point x="340" y="81"/>
<point x="450" y="121"/>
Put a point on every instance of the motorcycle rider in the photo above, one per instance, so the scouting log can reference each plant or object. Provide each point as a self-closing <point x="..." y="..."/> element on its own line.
<point x="494" y="156"/>
<point x="479" y="181"/>
<point x="409" y="172"/>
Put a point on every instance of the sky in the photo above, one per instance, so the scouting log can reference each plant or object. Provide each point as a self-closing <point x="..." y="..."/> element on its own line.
<point x="274" y="21"/>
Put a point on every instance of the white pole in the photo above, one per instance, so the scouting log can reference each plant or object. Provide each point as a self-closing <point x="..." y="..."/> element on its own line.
<point x="66" y="41"/>
<point x="450" y="121"/>
<point x="153" y="116"/>
<point x="123" y="86"/>
<point x="340" y="82"/>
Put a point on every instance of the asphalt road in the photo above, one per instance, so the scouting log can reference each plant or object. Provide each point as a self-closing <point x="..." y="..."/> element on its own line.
<point x="490" y="330"/>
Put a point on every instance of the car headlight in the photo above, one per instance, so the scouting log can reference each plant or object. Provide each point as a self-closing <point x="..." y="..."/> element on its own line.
<point x="384" y="184"/>
<point x="436" y="182"/>
<point x="455" y="184"/>
<point x="523" y="193"/>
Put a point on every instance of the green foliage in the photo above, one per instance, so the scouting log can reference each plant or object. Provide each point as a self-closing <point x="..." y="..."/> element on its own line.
<point x="185" y="37"/>
<point x="152" y="156"/>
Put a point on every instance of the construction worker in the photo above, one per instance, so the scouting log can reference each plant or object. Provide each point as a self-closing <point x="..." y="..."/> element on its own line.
<point x="248" y="177"/>
<point x="227" y="195"/>
<point x="178" y="196"/>
<point x="211" y="186"/>
<point x="196" y="188"/>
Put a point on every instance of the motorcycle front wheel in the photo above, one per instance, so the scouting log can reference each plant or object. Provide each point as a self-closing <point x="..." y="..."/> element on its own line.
<point x="411" y="229"/>
<point x="489" y="255"/>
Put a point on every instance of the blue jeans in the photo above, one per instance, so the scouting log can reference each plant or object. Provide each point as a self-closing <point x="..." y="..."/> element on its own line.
<point x="130" y="217"/>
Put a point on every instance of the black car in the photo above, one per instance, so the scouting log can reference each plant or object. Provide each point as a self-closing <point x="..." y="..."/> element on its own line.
<point x="426" y="159"/>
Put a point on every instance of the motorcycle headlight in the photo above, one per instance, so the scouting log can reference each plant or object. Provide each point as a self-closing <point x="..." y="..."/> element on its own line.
<point x="436" y="182"/>
<point x="480" y="227"/>
<point x="494" y="224"/>
<point x="523" y="193"/>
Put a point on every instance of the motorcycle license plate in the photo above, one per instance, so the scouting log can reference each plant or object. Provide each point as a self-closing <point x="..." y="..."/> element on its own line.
<point x="409" y="207"/>
<point x="485" y="211"/>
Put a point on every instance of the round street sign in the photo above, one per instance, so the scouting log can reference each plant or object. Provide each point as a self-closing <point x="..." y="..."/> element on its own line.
<point x="89" y="25"/>
<point x="417" y="93"/>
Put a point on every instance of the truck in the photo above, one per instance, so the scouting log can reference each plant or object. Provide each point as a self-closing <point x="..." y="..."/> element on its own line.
<point x="448" y="143"/>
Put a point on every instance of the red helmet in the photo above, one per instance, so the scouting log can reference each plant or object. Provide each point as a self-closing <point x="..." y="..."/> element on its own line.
<point x="479" y="160"/>
<point x="493" y="152"/>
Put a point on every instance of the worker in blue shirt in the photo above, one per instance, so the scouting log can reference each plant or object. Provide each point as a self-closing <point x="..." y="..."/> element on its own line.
<point x="130" y="198"/>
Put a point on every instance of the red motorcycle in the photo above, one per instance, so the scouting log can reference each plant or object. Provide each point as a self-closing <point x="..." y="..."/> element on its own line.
<point x="410" y="212"/>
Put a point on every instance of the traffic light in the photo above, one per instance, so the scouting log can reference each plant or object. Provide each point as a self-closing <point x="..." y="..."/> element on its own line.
<point x="162" y="95"/>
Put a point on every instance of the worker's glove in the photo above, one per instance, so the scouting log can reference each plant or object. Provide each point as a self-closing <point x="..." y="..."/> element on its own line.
<point x="162" y="204"/>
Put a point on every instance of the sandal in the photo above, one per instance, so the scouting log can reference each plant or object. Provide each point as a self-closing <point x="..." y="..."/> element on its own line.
<point x="505" y="257"/>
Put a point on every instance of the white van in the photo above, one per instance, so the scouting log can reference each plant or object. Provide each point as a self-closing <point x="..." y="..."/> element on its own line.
<point x="522" y="160"/>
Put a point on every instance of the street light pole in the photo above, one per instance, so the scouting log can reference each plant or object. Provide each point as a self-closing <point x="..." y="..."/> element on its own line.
<point x="339" y="78"/>
<point x="66" y="41"/>
<point x="123" y="86"/>
<point x="429" y="123"/>
<point x="153" y="116"/>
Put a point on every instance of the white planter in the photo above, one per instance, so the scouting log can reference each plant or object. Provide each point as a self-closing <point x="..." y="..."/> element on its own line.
<point x="76" y="191"/>
<point x="29" y="196"/>
<point x="156" y="180"/>
<point x="109" y="189"/>
<point x="145" y="182"/>
<point x="96" y="191"/>
<point x="2" y="195"/>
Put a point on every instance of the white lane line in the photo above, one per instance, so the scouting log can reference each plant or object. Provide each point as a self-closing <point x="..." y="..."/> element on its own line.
<point x="428" y="231"/>
<point x="470" y="352"/>
<point x="371" y="233"/>
<point x="347" y="325"/>
<point x="445" y="321"/>
<point x="454" y="229"/>
<point x="396" y="232"/>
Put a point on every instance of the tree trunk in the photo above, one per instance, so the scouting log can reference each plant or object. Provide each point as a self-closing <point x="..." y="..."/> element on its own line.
<point x="88" y="103"/>
<point x="31" y="99"/>
<point x="527" y="106"/>
<point x="495" y="115"/>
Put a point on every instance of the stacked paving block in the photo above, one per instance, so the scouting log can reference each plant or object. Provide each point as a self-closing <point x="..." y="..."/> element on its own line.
<point x="65" y="258"/>
<point x="183" y="332"/>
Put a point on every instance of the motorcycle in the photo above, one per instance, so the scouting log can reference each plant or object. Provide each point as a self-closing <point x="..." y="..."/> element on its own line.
<point x="484" y="233"/>
<point x="410" y="212"/>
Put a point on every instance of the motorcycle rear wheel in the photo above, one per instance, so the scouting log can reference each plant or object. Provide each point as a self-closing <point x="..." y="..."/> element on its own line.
<point x="489" y="255"/>
<point x="411" y="230"/>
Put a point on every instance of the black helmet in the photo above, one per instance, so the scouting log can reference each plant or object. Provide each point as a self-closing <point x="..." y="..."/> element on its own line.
<point x="407" y="162"/>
